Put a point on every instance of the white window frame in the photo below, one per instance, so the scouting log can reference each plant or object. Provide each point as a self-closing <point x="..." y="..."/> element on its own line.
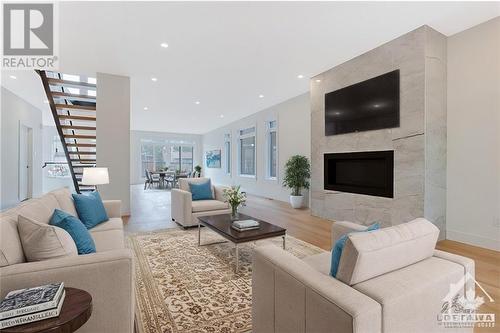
<point x="245" y="136"/>
<point x="271" y="129"/>
<point x="228" y="154"/>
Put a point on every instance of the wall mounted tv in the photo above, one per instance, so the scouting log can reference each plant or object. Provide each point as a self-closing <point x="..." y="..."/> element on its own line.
<point x="368" y="105"/>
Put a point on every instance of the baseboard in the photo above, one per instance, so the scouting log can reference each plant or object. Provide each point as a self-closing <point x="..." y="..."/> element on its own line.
<point x="471" y="239"/>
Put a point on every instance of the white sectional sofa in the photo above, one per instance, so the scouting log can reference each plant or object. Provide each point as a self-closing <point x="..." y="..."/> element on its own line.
<point x="107" y="275"/>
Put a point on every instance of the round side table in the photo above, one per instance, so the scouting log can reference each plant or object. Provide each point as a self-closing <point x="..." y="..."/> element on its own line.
<point x="75" y="312"/>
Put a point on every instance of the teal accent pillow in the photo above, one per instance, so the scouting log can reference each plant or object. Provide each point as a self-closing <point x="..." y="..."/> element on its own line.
<point x="90" y="209"/>
<point x="75" y="228"/>
<point x="339" y="247"/>
<point x="202" y="191"/>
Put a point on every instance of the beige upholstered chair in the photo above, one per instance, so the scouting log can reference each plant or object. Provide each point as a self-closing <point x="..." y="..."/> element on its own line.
<point x="107" y="275"/>
<point x="185" y="211"/>
<point x="390" y="280"/>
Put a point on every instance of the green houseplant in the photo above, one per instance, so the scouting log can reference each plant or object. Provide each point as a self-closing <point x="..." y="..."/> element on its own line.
<point x="197" y="169"/>
<point x="297" y="174"/>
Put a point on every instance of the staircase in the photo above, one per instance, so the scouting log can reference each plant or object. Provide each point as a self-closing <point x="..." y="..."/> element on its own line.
<point x="75" y="119"/>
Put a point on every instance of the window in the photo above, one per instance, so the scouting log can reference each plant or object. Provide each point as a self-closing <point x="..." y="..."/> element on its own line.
<point x="227" y="149"/>
<point x="247" y="152"/>
<point x="58" y="167"/>
<point x="161" y="155"/>
<point x="272" y="150"/>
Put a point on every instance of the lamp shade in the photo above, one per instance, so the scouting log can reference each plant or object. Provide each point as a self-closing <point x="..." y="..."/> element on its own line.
<point x="95" y="176"/>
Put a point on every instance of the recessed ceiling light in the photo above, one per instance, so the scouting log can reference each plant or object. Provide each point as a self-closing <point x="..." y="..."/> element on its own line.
<point x="46" y="102"/>
<point x="154" y="79"/>
<point x="197" y="102"/>
<point x="318" y="80"/>
<point x="261" y="96"/>
<point x="164" y="45"/>
<point x="146" y="108"/>
<point x="13" y="77"/>
<point x="300" y="76"/>
<point x="221" y="116"/>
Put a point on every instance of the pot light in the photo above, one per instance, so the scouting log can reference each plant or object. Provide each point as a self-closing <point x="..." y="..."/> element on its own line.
<point x="261" y="96"/>
<point x="146" y="108"/>
<point x="46" y="102"/>
<point x="318" y="80"/>
<point x="197" y="102"/>
<point x="154" y="79"/>
<point x="164" y="45"/>
<point x="300" y="76"/>
<point x="13" y="77"/>
<point x="221" y="116"/>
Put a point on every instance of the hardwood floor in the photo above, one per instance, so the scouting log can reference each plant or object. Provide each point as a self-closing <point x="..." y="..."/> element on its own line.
<point x="151" y="212"/>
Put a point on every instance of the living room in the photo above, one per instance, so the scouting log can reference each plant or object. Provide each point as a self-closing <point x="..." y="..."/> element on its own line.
<point x="255" y="166"/>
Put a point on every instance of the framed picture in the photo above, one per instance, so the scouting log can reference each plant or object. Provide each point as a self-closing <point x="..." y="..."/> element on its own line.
<point x="213" y="158"/>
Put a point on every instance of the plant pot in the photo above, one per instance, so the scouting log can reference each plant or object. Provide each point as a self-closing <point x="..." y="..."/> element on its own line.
<point x="296" y="201"/>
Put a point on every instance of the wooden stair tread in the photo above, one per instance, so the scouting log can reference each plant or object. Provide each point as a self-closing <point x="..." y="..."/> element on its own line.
<point x="90" y="145"/>
<point x="75" y="127"/>
<point x="82" y="152"/>
<point x="78" y="136"/>
<point x="59" y="82"/>
<point x="74" y="107"/>
<point x="72" y="96"/>
<point x="73" y="117"/>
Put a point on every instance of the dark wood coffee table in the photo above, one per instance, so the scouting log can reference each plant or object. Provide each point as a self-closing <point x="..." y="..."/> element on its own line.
<point x="221" y="224"/>
<point x="75" y="312"/>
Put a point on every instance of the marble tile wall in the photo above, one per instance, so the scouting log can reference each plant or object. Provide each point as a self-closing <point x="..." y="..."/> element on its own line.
<point x="418" y="158"/>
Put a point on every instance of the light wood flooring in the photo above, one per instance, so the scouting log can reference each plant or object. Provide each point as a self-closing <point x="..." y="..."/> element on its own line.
<point x="151" y="211"/>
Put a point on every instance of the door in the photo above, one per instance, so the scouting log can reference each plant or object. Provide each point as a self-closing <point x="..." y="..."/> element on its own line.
<point x="25" y="162"/>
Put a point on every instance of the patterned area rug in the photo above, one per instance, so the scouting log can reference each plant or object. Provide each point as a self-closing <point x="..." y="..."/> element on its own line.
<point x="181" y="287"/>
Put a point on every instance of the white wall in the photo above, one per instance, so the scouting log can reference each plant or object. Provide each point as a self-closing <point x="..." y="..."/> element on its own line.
<point x="294" y="138"/>
<point x="473" y="198"/>
<point x="15" y="111"/>
<point x="136" y="176"/>
<point x="113" y="136"/>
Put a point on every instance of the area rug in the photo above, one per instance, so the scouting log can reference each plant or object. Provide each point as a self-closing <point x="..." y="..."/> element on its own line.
<point x="181" y="287"/>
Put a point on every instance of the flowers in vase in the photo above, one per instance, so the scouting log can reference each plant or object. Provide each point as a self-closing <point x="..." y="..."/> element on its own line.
<point x="234" y="197"/>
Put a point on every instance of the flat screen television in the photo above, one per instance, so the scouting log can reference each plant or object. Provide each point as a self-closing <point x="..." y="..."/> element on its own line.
<point x="368" y="105"/>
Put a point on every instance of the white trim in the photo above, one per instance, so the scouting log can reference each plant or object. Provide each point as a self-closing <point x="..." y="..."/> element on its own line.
<point x="267" y="159"/>
<point x="228" y="138"/>
<point x="476" y="240"/>
<point x="245" y="136"/>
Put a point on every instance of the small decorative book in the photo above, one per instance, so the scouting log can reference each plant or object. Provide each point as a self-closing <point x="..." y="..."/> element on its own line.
<point x="36" y="316"/>
<point x="31" y="300"/>
<point x="244" y="225"/>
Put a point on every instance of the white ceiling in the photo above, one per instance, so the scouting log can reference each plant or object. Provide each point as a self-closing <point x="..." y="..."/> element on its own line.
<point x="224" y="54"/>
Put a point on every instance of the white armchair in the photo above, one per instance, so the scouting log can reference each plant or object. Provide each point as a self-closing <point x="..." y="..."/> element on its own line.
<point x="185" y="211"/>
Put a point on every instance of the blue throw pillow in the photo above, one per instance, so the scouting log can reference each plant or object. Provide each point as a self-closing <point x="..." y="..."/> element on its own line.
<point x="75" y="228"/>
<point x="339" y="247"/>
<point x="90" y="209"/>
<point x="202" y="191"/>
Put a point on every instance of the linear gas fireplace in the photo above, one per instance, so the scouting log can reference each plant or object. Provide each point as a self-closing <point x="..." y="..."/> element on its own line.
<point x="369" y="173"/>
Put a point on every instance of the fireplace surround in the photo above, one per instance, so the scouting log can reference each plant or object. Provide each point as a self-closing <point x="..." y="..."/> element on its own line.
<point x="370" y="173"/>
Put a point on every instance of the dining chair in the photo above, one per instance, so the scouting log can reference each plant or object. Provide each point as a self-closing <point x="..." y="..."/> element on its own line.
<point x="147" y="182"/>
<point x="155" y="178"/>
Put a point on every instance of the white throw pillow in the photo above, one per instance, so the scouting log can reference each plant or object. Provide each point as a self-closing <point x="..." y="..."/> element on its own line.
<point x="42" y="241"/>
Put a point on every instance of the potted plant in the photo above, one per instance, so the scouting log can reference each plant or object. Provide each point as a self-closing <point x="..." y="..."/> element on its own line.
<point x="197" y="169"/>
<point x="235" y="198"/>
<point x="297" y="174"/>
